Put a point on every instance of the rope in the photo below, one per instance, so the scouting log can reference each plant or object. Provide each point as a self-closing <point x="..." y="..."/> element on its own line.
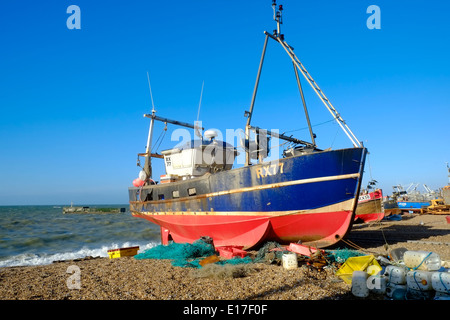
<point x="386" y="244"/>
<point x="415" y="268"/>
<point x="357" y="247"/>
<point x="414" y="277"/>
<point x="378" y="221"/>
<point x="334" y="139"/>
<point x="281" y="144"/>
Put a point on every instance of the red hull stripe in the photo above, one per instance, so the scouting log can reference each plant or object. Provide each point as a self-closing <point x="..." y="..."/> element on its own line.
<point x="318" y="227"/>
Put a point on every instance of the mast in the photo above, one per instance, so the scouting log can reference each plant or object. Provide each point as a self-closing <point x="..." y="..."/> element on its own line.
<point x="148" y="155"/>
<point x="313" y="136"/>
<point x="248" y="114"/>
<point x="148" y="158"/>
<point x="279" y="37"/>
<point x="298" y="66"/>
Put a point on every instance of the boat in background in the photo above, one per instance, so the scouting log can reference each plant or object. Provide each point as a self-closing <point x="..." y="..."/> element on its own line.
<point x="446" y="189"/>
<point x="86" y="209"/>
<point x="412" y="199"/>
<point x="370" y="206"/>
<point x="307" y="195"/>
<point x="390" y="206"/>
<point x="446" y="194"/>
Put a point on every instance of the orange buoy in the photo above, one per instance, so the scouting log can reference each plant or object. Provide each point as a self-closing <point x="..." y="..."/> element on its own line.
<point x="138" y="182"/>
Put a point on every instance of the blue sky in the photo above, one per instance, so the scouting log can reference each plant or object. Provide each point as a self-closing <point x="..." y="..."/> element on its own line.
<point x="72" y="101"/>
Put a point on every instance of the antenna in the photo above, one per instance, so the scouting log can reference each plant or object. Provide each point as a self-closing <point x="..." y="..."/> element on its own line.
<point x="197" y="131"/>
<point x="150" y="88"/>
<point x="277" y="16"/>
<point x="200" y="103"/>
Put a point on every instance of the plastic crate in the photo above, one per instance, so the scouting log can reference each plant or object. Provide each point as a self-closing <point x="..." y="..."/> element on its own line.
<point x="302" y="249"/>
<point x="123" y="252"/>
<point x="361" y="263"/>
<point x="229" y="252"/>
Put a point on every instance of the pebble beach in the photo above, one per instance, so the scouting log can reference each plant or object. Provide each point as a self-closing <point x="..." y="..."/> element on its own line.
<point x="127" y="278"/>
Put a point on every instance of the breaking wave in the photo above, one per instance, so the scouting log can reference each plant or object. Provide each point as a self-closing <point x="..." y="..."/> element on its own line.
<point x="35" y="259"/>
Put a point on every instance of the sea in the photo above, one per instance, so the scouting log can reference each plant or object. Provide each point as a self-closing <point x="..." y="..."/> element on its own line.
<point x="39" y="235"/>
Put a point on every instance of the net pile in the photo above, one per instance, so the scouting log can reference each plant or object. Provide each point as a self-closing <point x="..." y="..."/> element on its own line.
<point x="189" y="255"/>
<point x="270" y="252"/>
<point x="341" y="255"/>
<point x="186" y="255"/>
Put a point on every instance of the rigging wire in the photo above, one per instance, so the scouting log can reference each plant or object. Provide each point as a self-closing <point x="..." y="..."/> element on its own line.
<point x="334" y="139"/>
<point x="380" y="208"/>
<point x="357" y="247"/>
<point x="304" y="128"/>
<point x="378" y="222"/>
<point x="160" y="138"/>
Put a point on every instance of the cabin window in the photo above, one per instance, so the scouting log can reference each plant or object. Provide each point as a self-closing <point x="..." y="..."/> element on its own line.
<point x="175" y="194"/>
<point x="160" y="196"/>
<point x="192" y="191"/>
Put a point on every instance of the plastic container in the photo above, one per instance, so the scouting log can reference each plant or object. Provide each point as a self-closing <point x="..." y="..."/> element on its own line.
<point x="289" y="261"/>
<point x="360" y="263"/>
<point x="231" y="252"/>
<point x="123" y="252"/>
<point x="399" y="294"/>
<point x="210" y="259"/>
<point x="395" y="274"/>
<point x="441" y="296"/>
<point x="397" y="254"/>
<point x="412" y="294"/>
<point x="395" y="287"/>
<point x="419" y="280"/>
<point x="422" y="260"/>
<point x="359" y="284"/>
<point x="440" y="281"/>
<point x="374" y="269"/>
<point x="302" y="249"/>
<point x="383" y="261"/>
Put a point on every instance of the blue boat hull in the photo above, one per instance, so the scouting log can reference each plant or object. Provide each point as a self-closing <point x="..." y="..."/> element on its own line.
<point x="309" y="198"/>
<point x="412" y="205"/>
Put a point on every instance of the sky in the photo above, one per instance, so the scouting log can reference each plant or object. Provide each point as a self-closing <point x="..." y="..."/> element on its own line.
<point x="72" y="100"/>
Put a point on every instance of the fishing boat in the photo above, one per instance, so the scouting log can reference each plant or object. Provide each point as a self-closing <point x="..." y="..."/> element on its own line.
<point x="411" y="199"/>
<point x="446" y="194"/>
<point x="414" y="206"/>
<point x="85" y="209"/>
<point x="446" y="189"/>
<point x="307" y="195"/>
<point x="370" y="206"/>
